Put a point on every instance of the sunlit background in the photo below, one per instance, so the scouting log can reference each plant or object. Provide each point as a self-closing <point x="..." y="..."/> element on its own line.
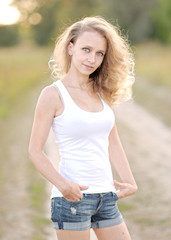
<point x="8" y="14"/>
<point x="28" y="30"/>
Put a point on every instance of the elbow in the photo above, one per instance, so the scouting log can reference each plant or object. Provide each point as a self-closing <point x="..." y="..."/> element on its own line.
<point x="135" y="188"/>
<point x="31" y="153"/>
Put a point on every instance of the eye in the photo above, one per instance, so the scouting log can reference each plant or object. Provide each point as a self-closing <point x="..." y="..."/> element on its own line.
<point x="100" y="54"/>
<point x="86" y="50"/>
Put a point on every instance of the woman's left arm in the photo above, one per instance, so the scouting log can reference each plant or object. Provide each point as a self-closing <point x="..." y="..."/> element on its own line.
<point x="119" y="161"/>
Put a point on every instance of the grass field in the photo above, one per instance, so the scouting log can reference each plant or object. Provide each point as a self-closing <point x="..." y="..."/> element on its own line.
<point x="152" y="88"/>
<point x="21" y="68"/>
<point x="153" y="63"/>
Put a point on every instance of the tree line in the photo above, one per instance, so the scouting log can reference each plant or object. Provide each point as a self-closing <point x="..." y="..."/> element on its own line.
<point x="43" y="20"/>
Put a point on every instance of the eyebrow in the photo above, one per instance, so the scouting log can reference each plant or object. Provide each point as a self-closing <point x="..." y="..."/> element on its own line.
<point x="88" y="46"/>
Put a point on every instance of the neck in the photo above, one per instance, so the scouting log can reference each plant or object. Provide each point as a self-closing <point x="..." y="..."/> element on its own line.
<point x="77" y="80"/>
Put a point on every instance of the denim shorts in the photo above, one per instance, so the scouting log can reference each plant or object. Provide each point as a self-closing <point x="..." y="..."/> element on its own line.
<point x="97" y="210"/>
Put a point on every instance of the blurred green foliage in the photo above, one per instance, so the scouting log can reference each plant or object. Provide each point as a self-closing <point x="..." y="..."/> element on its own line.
<point x="43" y="30"/>
<point x="162" y="21"/>
<point x="9" y="35"/>
<point x="133" y="16"/>
<point x="55" y="13"/>
<point x="138" y="19"/>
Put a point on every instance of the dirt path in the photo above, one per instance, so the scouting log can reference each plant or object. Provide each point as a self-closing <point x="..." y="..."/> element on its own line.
<point x="147" y="143"/>
<point x="15" y="217"/>
<point x="18" y="219"/>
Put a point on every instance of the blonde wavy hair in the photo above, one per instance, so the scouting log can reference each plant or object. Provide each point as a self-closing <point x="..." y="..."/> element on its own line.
<point x="114" y="79"/>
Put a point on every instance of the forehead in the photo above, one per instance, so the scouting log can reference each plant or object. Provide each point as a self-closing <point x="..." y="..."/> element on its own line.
<point x="92" y="38"/>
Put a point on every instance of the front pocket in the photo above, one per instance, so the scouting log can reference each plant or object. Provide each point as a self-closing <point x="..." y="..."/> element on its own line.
<point x="73" y="202"/>
<point x="115" y="196"/>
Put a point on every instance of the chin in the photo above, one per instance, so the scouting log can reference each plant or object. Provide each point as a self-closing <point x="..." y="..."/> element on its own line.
<point x="85" y="73"/>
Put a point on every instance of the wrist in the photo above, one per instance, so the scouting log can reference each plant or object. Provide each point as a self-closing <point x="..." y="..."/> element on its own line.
<point x="63" y="185"/>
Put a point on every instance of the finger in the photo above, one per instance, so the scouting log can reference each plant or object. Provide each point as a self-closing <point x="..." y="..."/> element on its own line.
<point x="83" y="187"/>
<point x="73" y="199"/>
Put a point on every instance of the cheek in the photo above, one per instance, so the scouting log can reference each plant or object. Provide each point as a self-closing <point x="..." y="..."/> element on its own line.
<point x="77" y="60"/>
<point x="77" y="55"/>
<point x="100" y="61"/>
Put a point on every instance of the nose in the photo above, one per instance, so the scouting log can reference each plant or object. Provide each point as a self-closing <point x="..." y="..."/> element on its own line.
<point x="92" y="58"/>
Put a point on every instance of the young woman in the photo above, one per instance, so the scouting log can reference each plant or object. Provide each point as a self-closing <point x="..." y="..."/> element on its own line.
<point x="96" y="69"/>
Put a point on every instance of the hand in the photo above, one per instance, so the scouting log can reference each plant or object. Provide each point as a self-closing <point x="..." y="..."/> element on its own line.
<point x="125" y="189"/>
<point x="72" y="191"/>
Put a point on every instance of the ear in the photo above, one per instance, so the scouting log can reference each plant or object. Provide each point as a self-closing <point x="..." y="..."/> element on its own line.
<point x="70" y="49"/>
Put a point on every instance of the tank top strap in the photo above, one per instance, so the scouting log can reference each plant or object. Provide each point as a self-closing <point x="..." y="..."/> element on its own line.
<point x="65" y="97"/>
<point x="102" y="100"/>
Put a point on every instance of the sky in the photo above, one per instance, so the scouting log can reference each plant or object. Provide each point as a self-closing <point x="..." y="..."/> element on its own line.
<point x="8" y="14"/>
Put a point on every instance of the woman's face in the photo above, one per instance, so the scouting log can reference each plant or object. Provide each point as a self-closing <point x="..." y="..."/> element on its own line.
<point x="87" y="52"/>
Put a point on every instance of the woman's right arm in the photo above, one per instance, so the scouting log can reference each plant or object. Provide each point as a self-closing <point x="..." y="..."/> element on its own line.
<point x="45" y="111"/>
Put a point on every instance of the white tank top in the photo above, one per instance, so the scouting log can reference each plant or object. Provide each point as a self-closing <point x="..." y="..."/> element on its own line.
<point x="82" y="138"/>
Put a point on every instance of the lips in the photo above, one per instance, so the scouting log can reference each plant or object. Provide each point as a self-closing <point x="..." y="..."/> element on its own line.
<point x="88" y="66"/>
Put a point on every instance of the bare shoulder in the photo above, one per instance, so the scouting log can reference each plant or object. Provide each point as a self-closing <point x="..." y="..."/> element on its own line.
<point x="49" y="100"/>
<point x="50" y="92"/>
